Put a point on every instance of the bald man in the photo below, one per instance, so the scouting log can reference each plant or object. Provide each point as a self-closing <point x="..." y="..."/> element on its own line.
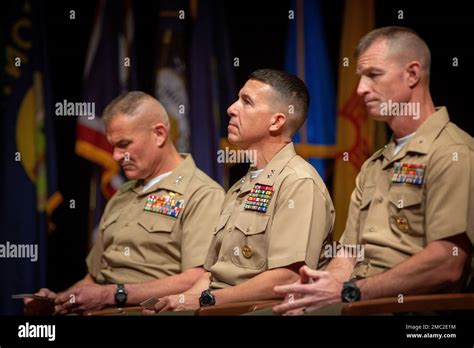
<point x="276" y="218"/>
<point x="411" y="213"/>
<point x="155" y="231"/>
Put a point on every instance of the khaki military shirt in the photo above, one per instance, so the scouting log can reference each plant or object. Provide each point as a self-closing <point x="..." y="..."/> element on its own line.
<point x="403" y="202"/>
<point x="282" y="217"/>
<point x="160" y="232"/>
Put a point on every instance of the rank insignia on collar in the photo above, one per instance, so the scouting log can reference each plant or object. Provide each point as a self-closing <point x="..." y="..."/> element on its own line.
<point x="259" y="198"/>
<point x="164" y="204"/>
<point x="409" y="173"/>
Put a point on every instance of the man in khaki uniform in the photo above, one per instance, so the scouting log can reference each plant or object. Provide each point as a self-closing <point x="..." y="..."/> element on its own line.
<point x="291" y="230"/>
<point x="275" y="219"/>
<point x="155" y="231"/>
<point x="412" y="208"/>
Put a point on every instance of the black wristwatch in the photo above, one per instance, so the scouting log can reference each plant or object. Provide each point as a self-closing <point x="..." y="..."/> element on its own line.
<point x="207" y="299"/>
<point x="350" y="292"/>
<point x="120" y="295"/>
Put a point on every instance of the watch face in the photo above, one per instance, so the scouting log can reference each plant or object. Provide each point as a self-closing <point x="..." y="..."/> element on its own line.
<point x="350" y="293"/>
<point x="206" y="299"/>
<point x="121" y="297"/>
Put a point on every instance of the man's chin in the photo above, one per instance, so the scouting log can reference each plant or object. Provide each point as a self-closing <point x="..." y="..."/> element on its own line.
<point x="130" y="174"/>
<point x="234" y="140"/>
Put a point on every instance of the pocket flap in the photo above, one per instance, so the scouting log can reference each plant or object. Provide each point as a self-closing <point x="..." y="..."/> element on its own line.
<point x="252" y="224"/>
<point x="405" y="195"/>
<point x="154" y="222"/>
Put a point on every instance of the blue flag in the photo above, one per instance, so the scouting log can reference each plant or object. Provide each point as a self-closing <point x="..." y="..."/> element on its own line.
<point x="212" y="85"/>
<point x="307" y="57"/>
<point x="28" y="175"/>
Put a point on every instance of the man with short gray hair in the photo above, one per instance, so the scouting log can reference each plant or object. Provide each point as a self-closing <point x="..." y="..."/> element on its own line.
<point x="155" y="231"/>
<point x="412" y="208"/>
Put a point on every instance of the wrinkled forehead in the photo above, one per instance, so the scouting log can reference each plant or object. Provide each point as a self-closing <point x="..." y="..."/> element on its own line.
<point x="377" y="56"/>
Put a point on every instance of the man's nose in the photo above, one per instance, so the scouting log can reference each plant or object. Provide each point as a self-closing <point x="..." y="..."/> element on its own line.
<point x="362" y="87"/>
<point x="231" y="110"/>
<point x="117" y="155"/>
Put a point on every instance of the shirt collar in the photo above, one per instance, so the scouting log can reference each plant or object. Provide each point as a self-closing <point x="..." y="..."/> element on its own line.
<point x="271" y="170"/>
<point x="155" y="180"/>
<point x="422" y="140"/>
<point x="403" y="140"/>
<point x="176" y="181"/>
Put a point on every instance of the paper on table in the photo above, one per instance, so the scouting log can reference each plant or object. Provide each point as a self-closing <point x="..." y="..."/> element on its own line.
<point x="36" y="297"/>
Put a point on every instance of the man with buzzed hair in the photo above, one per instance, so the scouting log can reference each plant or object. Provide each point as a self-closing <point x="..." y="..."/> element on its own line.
<point x="412" y="208"/>
<point x="155" y="231"/>
<point x="276" y="218"/>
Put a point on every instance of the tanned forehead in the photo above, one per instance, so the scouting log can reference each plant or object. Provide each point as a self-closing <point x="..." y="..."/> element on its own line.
<point x="259" y="86"/>
<point x="373" y="58"/>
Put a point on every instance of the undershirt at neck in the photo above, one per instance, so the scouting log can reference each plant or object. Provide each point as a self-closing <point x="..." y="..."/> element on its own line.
<point x="400" y="142"/>
<point x="155" y="181"/>
<point x="255" y="173"/>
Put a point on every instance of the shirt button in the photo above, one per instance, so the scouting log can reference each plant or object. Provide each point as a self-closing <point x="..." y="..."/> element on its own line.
<point x="126" y="225"/>
<point x="380" y="199"/>
<point x="371" y="229"/>
<point x="229" y="229"/>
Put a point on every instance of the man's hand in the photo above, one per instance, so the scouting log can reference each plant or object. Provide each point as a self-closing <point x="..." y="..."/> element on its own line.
<point x="82" y="298"/>
<point x="314" y="290"/>
<point x="181" y="302"/>
<point x="39" y="307"/>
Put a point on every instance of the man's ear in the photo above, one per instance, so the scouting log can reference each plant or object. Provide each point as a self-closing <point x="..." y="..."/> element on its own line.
<point x="161" y="134"/>
<point x="278" y="120"/>
<point x="413" y="70"/>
